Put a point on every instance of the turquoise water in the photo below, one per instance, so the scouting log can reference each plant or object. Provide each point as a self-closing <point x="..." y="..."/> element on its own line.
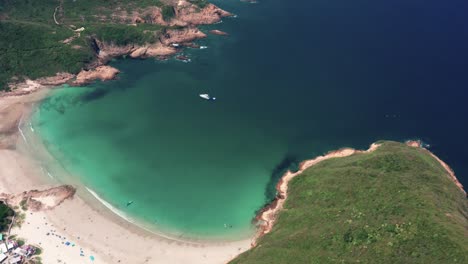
<point x="292" y="82"/>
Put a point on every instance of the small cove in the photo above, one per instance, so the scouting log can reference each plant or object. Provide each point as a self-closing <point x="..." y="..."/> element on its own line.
<point x="351" y="75"/>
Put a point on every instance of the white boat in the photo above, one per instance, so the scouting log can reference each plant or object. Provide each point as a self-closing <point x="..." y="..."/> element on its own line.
<point x="203" y="47"/>
<point x="207" y="97"/>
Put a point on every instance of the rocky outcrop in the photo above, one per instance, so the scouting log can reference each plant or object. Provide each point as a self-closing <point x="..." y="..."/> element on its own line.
<point x="152" y="15"/>
<point x="159" y="50"/>
<point x="36" y="200"/>
<point x="192" y="14"/>
<point x="103" y="73"/>
<point x="448" y="169"/>
<point x="267" y="216"/>
<point x="188" y="34"/>
<point x="58" y="79"/>
<point x="108" y="51"/>
<point x="187" y="16"/>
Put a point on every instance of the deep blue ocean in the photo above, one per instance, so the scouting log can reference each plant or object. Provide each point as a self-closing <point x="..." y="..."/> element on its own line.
<point x="293" y="80"/>
<point x="347" y="73"/>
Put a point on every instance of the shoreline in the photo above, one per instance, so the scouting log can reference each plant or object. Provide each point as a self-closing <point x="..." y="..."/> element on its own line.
<point x="145" y="228"/>
<point x="74" y="218"/>
<point x="187" y="16"/>
<point x="451" y="173"/>
<point x="55" y="170"/>
<point x="266" y="217"/>
<point x="80" y="217"/>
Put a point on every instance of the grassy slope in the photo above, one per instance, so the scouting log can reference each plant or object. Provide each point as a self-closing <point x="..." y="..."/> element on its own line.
<point x="396" y="205"/>
<point x="30" y="41"/>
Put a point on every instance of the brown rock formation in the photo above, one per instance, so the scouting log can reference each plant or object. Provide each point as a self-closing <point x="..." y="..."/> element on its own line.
<point x="152" y="15"/>
<point x="108" y="51"/>
<point x="160" y="50"/>
<point x="192" y="14"/>
<point x="102" y="73"/>
<point x="183" y="35"/>
<point x="450" y="172"/>
<point x="154" y="50"/>
<point x="58" y="79"/>
<point x="187" y="15"/>
<point x="36" y="200"/>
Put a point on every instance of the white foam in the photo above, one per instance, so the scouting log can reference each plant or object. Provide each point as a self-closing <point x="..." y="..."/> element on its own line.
<point x="20" y="130"/>
<point x="130" y="220"/>
<point x="110" y="207"/>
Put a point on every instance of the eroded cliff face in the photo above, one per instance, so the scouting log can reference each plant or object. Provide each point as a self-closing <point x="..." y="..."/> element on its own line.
<point x="181" y="33"/>
<point x="36" y="200"/>
<point x="185" y="35"/>
<point x="151" y="15"/>
<point x="153" y="50"/>
<point x="103" y="73"/>
<point x="185" y="14"/>
<point x="192" y="14"/>
<point x="163" y="47"/>
<point x="58" y="79"/>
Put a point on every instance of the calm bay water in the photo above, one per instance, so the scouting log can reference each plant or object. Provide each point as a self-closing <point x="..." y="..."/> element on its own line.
<point x="293" y="80"/>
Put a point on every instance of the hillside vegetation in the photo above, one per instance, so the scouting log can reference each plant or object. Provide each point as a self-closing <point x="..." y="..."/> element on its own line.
<point x="35" y="45"/>
<point x="5" y="216"/>
<point x="394" y="205"/>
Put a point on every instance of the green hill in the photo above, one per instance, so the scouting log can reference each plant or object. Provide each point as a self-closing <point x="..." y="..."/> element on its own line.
<point x="394" y="205"/>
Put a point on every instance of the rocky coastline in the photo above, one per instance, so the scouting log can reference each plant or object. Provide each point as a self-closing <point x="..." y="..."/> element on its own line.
<point x="36" y="200"/>
<point x="181" y="33"/>
<point x="266" y="217"/>
<point x="451" y="173"/>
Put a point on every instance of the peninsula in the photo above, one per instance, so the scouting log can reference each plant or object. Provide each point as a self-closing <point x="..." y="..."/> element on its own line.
<point x="394" y="203"/>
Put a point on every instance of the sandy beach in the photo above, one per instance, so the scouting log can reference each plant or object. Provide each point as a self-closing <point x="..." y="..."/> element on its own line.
<point x="93" y="231"/>
<point x="80" y="229"/>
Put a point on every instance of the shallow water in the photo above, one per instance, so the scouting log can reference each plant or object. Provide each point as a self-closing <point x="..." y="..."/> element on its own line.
<point x="291" y="81"/>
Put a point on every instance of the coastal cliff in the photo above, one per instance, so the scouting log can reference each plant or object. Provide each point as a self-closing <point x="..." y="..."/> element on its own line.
<point x="91" y="34"/>
<point x="380" y="204"/>
<point x="36" y="200"/>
